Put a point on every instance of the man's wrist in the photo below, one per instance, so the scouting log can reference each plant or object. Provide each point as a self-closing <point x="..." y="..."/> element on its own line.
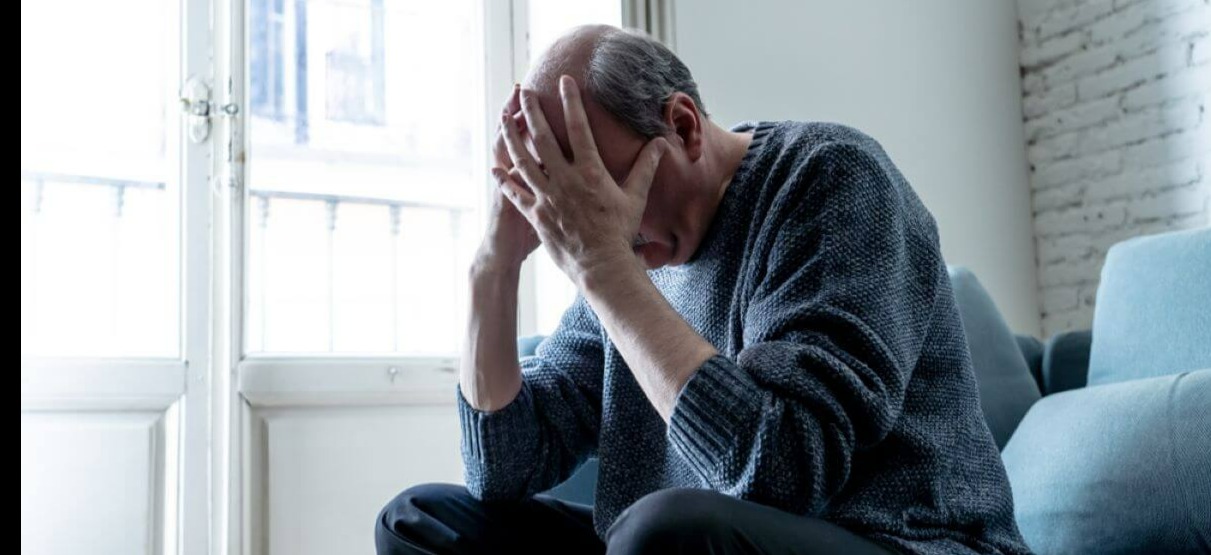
<point x="607" y="272"/>
<point x="490" y="267"/>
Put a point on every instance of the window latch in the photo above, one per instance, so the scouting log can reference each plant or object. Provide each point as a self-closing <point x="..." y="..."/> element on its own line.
<point x="198" y="109"/>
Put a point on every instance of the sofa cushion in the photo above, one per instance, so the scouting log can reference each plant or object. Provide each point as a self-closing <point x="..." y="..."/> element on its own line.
<point x="1153" y="314"/>
<point x="526" y="346"/>
<point x="1033" y="351"/>
<point x="1119" y="468"/>
<point x="1006" y="387"/>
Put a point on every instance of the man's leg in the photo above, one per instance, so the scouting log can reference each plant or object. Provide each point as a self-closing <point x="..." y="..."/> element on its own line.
<point x="445" y="519"/>
<point x="702" y="521"/>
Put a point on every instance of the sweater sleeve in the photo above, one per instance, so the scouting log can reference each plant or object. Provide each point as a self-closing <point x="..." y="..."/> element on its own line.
<point x="551" y="427"/>
<point x="832" y="331"/>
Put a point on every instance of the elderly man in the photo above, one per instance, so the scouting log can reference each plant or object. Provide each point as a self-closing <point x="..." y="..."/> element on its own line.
<point x="765" y="354"/>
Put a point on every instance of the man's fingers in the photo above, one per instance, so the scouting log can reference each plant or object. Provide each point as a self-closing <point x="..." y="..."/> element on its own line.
<point x="518" y="194"/>
<point x="540" y="132"/>
<point x="511" y="108"/>
<point x="577" y="122"/>
<point x="522" y="160"/>
<point x="640" y="179"/>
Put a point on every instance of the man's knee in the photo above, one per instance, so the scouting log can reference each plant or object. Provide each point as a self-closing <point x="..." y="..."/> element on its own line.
<point x="400" y="518"/>
<point x="669" y="521"/>
<point x="421" y="498"/>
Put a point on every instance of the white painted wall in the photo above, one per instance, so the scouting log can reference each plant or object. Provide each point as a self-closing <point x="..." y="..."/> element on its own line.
<point x="935" y="81"/>
<point x="1116" y="99"/>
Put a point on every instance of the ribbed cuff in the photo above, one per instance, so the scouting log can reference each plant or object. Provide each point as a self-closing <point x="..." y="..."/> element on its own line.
<point x="715" y="412"/>
<point x="485" y="434"/>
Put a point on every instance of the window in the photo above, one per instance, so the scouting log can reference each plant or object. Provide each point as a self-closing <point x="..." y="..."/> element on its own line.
<point x="99" y="182"/>
<point x="362" y="222"/>
<point x="266" y="40"/>
<point x="359" y="233"/>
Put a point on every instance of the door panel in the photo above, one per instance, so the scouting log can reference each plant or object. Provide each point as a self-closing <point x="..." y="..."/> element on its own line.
<point x="328" y="471"/>
<point x="94" y="482"/>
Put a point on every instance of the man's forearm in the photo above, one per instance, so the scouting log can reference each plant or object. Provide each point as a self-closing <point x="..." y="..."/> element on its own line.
<point x="661" y="349"/>
<point x="490" y="377"/>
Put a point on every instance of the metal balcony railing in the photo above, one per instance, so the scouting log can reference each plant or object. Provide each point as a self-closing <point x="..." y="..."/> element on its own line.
<point x="260" y="208"/>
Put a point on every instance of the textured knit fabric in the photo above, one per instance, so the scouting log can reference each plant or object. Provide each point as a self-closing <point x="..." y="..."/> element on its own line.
<point x="843" y="388"/>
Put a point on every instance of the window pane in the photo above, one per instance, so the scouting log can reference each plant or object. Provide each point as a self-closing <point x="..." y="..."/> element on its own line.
<point x="365" y="115"/>
<point x="99" y="225"/>
<point x="549" y="19"/>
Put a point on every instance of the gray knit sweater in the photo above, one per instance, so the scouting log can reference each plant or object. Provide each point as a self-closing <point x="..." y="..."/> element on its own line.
<point x="843" y="388"/>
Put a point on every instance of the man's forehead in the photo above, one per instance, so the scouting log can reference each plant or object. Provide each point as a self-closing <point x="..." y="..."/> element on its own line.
<point x="568" y="55"/>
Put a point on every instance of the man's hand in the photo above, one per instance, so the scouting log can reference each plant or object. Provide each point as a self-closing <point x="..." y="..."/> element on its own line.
<point x="586" y="220"/>
<point x="510" y="238"/>
<point x="589" y="224"/>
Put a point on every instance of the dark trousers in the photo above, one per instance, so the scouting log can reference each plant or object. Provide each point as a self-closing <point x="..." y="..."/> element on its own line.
<point x="445" y="519"/>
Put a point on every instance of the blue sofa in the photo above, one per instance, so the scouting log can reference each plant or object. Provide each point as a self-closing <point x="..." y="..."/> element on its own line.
<point x="1105" y="434"/>
<point x="1116" y="457"/>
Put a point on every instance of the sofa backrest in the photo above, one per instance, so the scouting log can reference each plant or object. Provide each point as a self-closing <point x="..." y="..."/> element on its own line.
<point x="1006" y="387"/>
<point x="1153" y="313"/>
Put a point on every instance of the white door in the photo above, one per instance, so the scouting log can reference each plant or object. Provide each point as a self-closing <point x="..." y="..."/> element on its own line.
<point x="114" y="279"/>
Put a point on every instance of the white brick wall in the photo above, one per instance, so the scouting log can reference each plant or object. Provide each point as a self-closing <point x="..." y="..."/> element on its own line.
<point x="1116" y="103"/>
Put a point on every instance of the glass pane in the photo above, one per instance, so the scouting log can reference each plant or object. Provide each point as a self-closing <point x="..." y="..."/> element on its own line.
<point x="99" y="226"/>
<point x="366" y="126"/>
<point x="549" y="19"/>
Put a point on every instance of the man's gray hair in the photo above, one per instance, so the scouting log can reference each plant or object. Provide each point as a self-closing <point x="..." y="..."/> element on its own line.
<point x="632" y="76"/>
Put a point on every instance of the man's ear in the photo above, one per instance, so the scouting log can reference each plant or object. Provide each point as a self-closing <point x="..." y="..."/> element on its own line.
<point x="683" y="117"/>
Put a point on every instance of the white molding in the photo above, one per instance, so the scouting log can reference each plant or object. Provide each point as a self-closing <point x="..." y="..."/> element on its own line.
<point x="253" y="469"/>
<point x="344" y="382"/>
<point x="166" y="450"/>
<point x="101" y="385"/>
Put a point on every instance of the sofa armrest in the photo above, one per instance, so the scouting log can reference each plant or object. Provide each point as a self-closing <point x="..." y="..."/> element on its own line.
<point x="1066" y="362"/>
<point x="1116" y="468"/>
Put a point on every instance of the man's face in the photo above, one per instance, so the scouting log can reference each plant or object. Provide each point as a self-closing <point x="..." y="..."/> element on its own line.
<point x="618" y="147"/>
